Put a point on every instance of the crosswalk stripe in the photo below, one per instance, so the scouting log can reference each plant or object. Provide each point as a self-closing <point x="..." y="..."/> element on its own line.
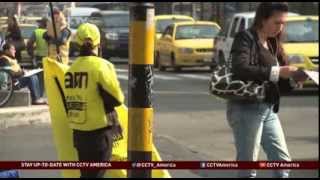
<point x="123" y="76"/>
<point x="122" y="70"/>
<point x="163" y="77"/>
<point x="193" y="76"/>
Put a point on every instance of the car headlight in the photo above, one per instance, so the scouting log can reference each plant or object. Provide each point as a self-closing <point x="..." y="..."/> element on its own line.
<point x="296" y="59"/>
<point x="112" y="36"/>
<point x="186" y="50"/>
<point x="315" y="60"/>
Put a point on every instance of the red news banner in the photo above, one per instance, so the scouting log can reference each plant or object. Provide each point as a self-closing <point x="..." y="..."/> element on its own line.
<point x="159" y="165"/>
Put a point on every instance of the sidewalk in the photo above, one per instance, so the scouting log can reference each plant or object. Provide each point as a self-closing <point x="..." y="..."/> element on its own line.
<point x="16" y="116"/>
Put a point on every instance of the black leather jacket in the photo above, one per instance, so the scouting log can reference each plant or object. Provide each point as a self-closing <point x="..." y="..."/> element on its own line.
<point x="259" y="71"/>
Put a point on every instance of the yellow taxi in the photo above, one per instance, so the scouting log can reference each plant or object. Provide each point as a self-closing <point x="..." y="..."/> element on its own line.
<point x="26" y="32"/>
<point x="301" y="42"/>
<point x="162" y="21"/>
<point x="186" y="44"/>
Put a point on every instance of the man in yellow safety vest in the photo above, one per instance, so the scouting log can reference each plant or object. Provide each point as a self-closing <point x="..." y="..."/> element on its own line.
<point x="37" y="46"/>
<point x="92" y="91"/>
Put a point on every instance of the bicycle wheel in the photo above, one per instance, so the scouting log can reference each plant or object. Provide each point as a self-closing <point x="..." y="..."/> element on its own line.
<point x="6" y="87"/>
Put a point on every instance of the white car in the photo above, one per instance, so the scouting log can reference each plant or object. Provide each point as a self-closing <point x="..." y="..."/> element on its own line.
<point x="223" y="42"/>
<point x="75" y="17"/>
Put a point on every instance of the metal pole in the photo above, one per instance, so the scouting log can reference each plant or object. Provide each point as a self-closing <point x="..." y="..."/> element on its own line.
<point x="73" y="4"/>
<point x="202" y="11"/>
<point x="55" y="32"/>
<point x="222" y="15"/>
<point x="18" y="9"/>
<point x="141" y="44"/>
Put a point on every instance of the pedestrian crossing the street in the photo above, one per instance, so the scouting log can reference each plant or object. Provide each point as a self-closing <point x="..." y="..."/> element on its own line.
<point x="168" y="76"/>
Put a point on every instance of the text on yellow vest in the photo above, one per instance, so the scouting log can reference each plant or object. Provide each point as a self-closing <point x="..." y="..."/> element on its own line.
<point x="85" y="107"/>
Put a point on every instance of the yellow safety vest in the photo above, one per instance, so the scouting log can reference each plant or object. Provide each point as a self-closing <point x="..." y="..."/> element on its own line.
<point x="41" y="44"/>
<point x="85" y="109"/>
<point x="15" y="67"/>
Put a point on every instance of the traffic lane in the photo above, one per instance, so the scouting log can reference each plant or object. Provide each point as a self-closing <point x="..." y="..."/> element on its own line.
<point x="193" y="95"/>
<point x="167" y="81"/>
<point x="178" y="101"/>
<point x="195" y="82"/>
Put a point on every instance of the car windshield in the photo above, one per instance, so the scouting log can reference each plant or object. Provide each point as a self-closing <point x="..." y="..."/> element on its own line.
<point x="27" y="31"/>
<point x="75" y="21"/>
<point x="196" y="32"/>
<point x="163" y="23"/>
<point x="116" y="20"/>
<point x="302" y="31"/>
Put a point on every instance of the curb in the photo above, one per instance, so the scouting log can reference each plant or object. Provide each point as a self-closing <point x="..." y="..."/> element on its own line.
<point x="17" y="116"/>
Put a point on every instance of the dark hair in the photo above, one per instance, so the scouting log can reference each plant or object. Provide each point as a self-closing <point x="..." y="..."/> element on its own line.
<point x="7" y="46"/>
<point x="264" y="11"/>
<point x="87" y="49"/>
<point x="14" y="31"/>
<point x="13" y="24"/>
<point x="56" y="10"/>
<point x="43" y="22"/>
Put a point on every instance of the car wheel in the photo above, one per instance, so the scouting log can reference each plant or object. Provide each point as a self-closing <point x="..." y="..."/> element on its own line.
<point x="156" y="60"/>
<point x="173" y="64"/>
<point x="105" y="55"/>
<point x="221" y="59"/>
<point x="211" y="67"/>
<point x="161" y="67"/>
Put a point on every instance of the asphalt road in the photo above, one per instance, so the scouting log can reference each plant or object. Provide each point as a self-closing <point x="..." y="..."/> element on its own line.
<point x="189" y="124"/>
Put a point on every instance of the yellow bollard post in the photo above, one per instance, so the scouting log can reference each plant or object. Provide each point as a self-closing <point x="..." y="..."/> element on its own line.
<point x="141" y="45"/>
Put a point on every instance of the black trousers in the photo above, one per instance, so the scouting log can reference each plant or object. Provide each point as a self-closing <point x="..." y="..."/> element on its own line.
<point x="93" y="146"/>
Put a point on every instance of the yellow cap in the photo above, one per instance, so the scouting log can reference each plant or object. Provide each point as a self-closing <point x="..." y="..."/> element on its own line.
<point x="88" y="31"/>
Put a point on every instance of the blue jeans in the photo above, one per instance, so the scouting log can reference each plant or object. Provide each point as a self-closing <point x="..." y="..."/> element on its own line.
<point x="254" y="124"/>
<point x="41" y="82"/>
<point x="32" y="82"/>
